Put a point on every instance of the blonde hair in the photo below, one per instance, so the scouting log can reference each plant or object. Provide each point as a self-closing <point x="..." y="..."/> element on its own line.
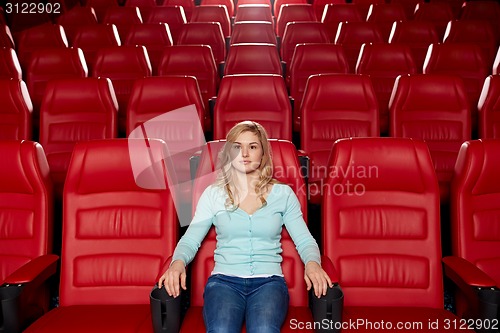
<point x="226" y="172"/>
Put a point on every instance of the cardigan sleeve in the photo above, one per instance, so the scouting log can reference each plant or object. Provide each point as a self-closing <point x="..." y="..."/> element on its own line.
<point x="305" y="243"/>
<point x="190" y="242"/>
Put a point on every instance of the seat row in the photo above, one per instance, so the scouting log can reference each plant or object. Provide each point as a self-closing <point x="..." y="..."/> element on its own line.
<point x="122" y="202"/>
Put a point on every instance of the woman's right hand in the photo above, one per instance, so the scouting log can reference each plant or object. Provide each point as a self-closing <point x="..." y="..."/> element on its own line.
<point x="174" y="278"/>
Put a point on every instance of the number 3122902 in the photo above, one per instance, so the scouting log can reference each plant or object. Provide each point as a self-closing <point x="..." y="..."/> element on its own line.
<point x="32" y="8"/>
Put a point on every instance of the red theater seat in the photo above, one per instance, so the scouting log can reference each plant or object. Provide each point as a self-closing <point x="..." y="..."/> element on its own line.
<point x="438" y="13"/>
<point x="260" y="97"/>
<point x="489" y="108"/>
<point x="278" y="3"/>
<point x="145" y="6"/>
<point x="474" y="266"/>
<point x="74" y="18"/>
<point x="206" y="33"/>
<point x="253" y="58"/>
<point x="174" y="16"/>
<point x="187" y="6"/>
<point x="335" y="106"/>
<point x="9" y="64"/>
<point x="383" y="63"/>
<point x="119" y="224"/>
<point x="483" y="10"/>
<point x="433" y="108"/>
<point x="336" y="13"/>
<point x="100" y="7"/>
<point x="364" y="5"/>
<point x="26" y="212"/>
<point x="294" y="13"/>
<point x="309" y="59"/>
<point x="213" y="13"/>
<point x="381" y="231"/>
<point x="320" y="5"/>
<point x="74" y="109"/>
<point x="254" y="12"/>
<point x="384" y="15"/>
<point x="253" y="32"/>
<point x="228" y="3"/>
<point x="16" y="110"/>
<point x="123" y="18"/>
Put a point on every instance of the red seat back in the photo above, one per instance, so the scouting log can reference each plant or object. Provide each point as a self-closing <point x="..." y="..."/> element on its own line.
<point x="437" y="12"/>
<point x="254" y="12"/>
<point x="6" y="39"/>
<point x="253" y="59"/>
<point x="489" y="108"/>
<point x="9" y="64"/>
<point x="213" y="13"/>
<point x="260" y="97"/>
<point x="253" y="32"/>
<point x="384" y="15"/>
<point x="228" y="3"/>
<point x="74" y="18"/>
<point x="174" y="16"/>
<point x="187" y="6"/>
<point x="333" y="14"/>
<point x="294" y="13"/>
<point x="206" y="33"/>
<point x="16" y="110"/>
<point x="380" y="205"/>
<point x="123" y="18"/>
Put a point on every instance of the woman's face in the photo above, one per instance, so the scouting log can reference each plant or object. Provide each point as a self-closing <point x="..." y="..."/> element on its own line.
<point x="246" y="153"/>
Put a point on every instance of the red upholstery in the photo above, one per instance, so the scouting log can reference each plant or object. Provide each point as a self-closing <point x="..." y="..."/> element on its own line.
<point x="437" y="12"/>
<point x="6" y="39"/>
<point x="16" y="110"/>
<point x="213" y="13"/>
<point x="260" y="97"/>
<point x="254" y="12"/>
<point x="474" y="31"/>
<point x="319" y="6"/>
<point x="364" y="5"/>
<point x="254" y="2"/>
<point x="284" y="158"/>
<point x="433" y="108"/>
<point x="489" y="108"/>
<point x="351" y="35"/>
<point x="336" y="13"/>
<point x="74" y="18"/>
<point x="91" y="38"/>
<point x="123" y="65"/>
<point x="197" y="61"/>
<point x="383" y="63"/>
<point x="9" y="64"/>
<point x="74" y="110"/>
<point x="278" y="3"/>
<point x="408" y="6"/>
<point x="52" y="63"/>
<point x="381" y="205"/>
<point x="123" y="18"/>
<point x="253" y="59"/>
<point x="335" y="106"/>
<point x="301" y="32"/>
<point x="309" y="59"/>
<point x="294" y="13"/>
<point x="417" y="35"/>
<point x="174" y="16"/>
<point x="253" y="32"/>
<point x="43" y="36"/>
<point x="465" y="60"/>
<point x="154" y="36"/>
<point x="101" y="7"/>
<point x="228" y="3"/>
<point x="145" y="6"/>
<point x="474" y="208"/>
<point x="115" y="238"/>
<point x="207" y="33"/>
<point x="384" y="15"/>
<point x="26" y="214"/>
<point x="187" y="6"/>
<point x="482" y="10"/>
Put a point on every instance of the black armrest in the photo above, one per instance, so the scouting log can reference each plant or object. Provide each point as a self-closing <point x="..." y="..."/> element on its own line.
<point x="327" y="310"/>
<point x="211" y="105"/>
<point x="165" y="311"/>
<point x="10" y="295"/>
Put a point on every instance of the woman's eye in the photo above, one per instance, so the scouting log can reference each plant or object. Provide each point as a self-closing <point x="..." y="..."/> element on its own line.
<point x="236" y="147"/>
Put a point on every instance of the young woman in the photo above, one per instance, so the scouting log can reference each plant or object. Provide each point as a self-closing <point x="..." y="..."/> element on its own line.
<point x="248" y="209"/>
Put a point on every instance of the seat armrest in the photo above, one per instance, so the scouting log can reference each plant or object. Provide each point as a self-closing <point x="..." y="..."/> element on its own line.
<point x="165" y="311"/>
<point x="305" y="164"/>
<point x="38" y="269"/>
<point x="194" y="162"/>
<point x="463" y="272"/>
<point x="211" y="105"/>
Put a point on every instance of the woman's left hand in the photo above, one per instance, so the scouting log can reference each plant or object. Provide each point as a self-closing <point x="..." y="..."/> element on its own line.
<point x="317" y="278"/>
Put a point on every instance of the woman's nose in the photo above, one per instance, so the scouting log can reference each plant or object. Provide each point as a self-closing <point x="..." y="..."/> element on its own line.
<point x="244" y="151"/>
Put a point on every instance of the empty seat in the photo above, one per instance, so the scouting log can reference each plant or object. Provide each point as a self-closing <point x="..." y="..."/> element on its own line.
<point x="465" y="60"/>
<point x="145" y="6"/>
<point x="381" y="231"/>
<point x="383" y="63"/>
<point x="91" y="38"/>
<point x="298" y="33"/>
<point x="335" y="106"/>
<point x="253" y="32"/>
<point x="474" y="31"/>
<point x="254" y="2"/>
<point x="254" y="12"/>
<point x="155" y="37"/>
<point x="117" y="233"/>
<point x="351" y="35"/>
<point x="74" y="109"/>
<point x="123" y="18"/>
<point x="408" y="6"/>
<point x="294" y="13"/>
<point x="174" y="16"/>
<point x="123" y="65"/>
<point x="438" y="13"/>
<point x="43" y="36"/>
<point x="6" y="39"/>
<point x="74" y="18"/>
<point x="206" y="33"/>
<point x="52" y="63"/>
<point x="26" y="212"/>
<point x="278" y="3"/>
<point x="262" y="98"/>
<point x="309" y="59"/>
<point x="333" y="14"/>
<point x="483" y="10"/>
<point x="228" y="3"/>
<point x="253" y="59"/>
<point x="320" y="5"/>
<point x="433" y="108"/>
<point x="364" y="5"/>
<point x="16" y="110"/>
<point x="384" y="15"/>
<point x="418" y="35"/>
<point x="473" y="265"/>
<point x="489" y="108"/>
<point x="101" y="7"/>
<point x="9" y="64"/>
<point x="197" y="61"/>
<point x="213" y="13"/>
<point x="187" y="5"/>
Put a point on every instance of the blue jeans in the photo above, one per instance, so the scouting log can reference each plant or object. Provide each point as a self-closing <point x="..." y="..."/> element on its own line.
<point x="262" y="303"/>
